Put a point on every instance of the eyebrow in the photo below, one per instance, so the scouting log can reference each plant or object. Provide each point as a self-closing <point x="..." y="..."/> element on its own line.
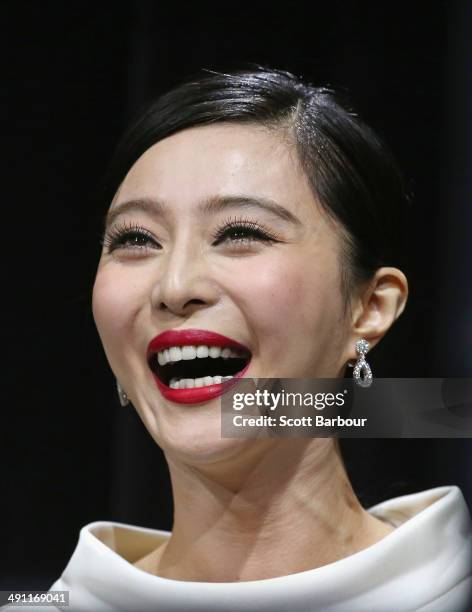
<point x="207" y="207"/>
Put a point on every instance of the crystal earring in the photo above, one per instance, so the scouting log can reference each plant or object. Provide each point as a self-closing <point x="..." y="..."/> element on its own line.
<point x="124" y="401"/>
<point x="362" y="346"/>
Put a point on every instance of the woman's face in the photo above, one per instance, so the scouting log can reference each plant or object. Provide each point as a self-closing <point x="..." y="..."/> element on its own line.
<point x="272" y="285"/>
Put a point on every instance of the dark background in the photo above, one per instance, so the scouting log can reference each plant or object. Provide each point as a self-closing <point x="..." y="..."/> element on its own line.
<point x="74" y="74"/>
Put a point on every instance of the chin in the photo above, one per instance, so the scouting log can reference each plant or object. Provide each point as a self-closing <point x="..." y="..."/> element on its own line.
<point x="197" y="440"/>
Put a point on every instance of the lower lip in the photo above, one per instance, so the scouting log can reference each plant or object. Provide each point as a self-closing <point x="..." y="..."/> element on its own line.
<point x="197" y="395"/>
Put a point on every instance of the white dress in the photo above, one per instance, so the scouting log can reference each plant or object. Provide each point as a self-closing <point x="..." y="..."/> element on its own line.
<point x="424" y="564"/>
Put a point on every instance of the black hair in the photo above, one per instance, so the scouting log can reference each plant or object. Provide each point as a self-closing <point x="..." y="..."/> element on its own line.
<point x="352" y="173"/>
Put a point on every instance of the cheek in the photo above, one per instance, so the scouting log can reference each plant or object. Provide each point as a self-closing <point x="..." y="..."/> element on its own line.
<point x="114" y="303"/>
<point x="288" y="297"/>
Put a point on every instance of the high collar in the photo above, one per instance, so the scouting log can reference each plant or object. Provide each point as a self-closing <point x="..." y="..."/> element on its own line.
<point x="427" y="555"/>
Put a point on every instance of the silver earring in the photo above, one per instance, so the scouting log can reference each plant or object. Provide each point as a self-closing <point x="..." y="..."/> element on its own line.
<point x="124" y="401"/>
<point x="362" y="346"/>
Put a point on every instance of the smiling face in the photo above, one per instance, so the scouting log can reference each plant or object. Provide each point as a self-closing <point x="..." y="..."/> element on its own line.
<point x="220" y="232"/>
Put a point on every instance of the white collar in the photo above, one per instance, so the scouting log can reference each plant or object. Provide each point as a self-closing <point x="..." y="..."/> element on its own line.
<point x="424" y="557"/>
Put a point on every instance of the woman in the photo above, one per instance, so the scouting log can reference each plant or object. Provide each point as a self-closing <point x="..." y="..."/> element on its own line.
<point x="252" y="229"/>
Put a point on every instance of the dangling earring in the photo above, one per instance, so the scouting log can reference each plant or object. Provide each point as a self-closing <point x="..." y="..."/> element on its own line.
<point x="362" y="346"/>
<point x="124" y="401"/>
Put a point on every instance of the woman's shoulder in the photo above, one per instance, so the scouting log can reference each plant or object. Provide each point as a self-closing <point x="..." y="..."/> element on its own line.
<point x="439" y="503"/>
<point x="102" y="543"/>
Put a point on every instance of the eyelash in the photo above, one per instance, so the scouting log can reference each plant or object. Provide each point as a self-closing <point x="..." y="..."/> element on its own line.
<point x="254" y="228"/>
<point x="117" y="236"/>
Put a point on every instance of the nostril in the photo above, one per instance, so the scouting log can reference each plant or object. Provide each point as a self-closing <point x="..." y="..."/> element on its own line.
<point x="194" y="301"/>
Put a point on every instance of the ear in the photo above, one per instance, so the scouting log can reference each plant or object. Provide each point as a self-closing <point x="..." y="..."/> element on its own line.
<point x="377" y="308"/>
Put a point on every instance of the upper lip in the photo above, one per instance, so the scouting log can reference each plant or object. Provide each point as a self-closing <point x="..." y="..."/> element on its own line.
<point x="185" y="337"/>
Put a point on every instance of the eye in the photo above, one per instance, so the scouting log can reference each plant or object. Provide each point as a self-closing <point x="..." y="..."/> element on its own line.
<point x="128" y="237"/>
<point x="242" y="231"/>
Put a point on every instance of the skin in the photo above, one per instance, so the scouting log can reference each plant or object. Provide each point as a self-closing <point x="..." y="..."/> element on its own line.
<point x="236" y="500"/>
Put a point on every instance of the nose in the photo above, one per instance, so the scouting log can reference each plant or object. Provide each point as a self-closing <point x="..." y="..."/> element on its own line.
<point x="184" y="283"/>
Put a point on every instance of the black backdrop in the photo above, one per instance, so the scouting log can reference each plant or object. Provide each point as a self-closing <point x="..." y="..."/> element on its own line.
<point x="74" y="74"/>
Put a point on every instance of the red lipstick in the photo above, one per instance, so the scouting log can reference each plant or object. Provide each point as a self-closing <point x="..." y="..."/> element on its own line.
<point x="194" y="337"/>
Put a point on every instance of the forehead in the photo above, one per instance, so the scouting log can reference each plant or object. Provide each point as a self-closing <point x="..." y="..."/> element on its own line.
<point x="217" y="160"/>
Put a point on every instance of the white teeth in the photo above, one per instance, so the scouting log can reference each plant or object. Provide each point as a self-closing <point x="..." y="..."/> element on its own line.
<point x="189" y="352"/>
<point x="202" y="351"/>
<point x="190" y="383"/>
<point x="177" y="353"/>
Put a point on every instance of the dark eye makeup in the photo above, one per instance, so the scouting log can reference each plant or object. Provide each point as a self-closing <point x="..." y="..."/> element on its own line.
<point x="243" y="230"/>
<point x="127" y="235"/>
<point x="236" y="231"/>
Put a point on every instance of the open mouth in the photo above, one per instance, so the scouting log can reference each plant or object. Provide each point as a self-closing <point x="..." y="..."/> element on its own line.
<point x="190" y="366"/>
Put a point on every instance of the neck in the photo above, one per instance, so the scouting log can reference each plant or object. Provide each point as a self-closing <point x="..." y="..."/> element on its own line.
<point x="289" y="507"/>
